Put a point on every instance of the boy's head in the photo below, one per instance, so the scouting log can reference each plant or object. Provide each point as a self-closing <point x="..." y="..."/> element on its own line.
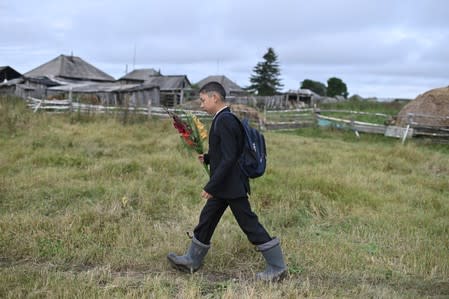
<point x="216" y="87"/>
<point x="212" y="97"/>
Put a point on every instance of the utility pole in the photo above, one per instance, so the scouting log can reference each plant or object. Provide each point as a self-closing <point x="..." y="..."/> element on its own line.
<point x="134" y="57"/>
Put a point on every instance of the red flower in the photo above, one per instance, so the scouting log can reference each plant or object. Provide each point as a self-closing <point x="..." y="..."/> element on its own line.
<point x="190" y="133"/>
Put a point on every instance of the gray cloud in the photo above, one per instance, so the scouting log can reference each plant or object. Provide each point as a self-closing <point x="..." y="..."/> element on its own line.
<point x="381" y="48"/>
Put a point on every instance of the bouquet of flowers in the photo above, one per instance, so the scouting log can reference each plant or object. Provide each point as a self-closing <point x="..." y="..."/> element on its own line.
<point x="192" y="132"/>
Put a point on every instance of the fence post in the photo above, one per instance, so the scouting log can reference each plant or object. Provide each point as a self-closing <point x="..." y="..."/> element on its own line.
<point x="149" y="107"/>
<point x="315" y="112"/>
<point x="70" y="100"/>
<point x="409" y="121"/>
<point x="37" y="106"/>
<point x="264" y="121"/>
<point x="354" y="129"/>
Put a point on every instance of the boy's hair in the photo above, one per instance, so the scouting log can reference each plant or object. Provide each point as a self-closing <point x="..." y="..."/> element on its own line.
<point x="214" y="86"/>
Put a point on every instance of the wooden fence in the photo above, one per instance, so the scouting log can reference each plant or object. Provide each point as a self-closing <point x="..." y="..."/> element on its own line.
<point x="71" y="106"/>
<point x="439" y="134"/>
<point x="289" y="119"/>
<point x="272" y="119"/>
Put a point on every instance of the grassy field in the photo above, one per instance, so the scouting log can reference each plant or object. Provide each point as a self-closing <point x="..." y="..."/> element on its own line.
<point x="90" y="206"/>
<point x="385" y="111"/>
<point x="388" y="108"/>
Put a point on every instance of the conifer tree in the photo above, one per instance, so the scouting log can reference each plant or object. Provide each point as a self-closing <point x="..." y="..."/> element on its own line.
<point x="265" y="80"/>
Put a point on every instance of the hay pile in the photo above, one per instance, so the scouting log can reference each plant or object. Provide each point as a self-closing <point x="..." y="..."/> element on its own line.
<point x="429" y="109"/>
<point x="242" y="111"/>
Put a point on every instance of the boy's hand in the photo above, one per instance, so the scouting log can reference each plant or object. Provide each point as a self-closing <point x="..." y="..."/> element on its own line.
<point x="206" y="195"/>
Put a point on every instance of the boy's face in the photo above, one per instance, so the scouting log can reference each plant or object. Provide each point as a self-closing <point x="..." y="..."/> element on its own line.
<point x="209" y="102"/>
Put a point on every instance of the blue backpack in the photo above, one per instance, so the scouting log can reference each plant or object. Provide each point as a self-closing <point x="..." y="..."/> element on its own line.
<point x="253" y="160"/>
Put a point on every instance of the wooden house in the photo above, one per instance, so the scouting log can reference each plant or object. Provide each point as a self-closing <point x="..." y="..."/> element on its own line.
<point x="62" y="70"/>
<point x="173" y="88"/>
<point x="299" y="98"/>
<point x="108" y="94"/>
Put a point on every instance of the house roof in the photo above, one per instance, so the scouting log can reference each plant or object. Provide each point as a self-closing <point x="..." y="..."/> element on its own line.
<point x="102" y="87"/>
<point x="228" y="84"/>
<point x="140" y="74"/>
<point x="169" y="82"/>
<point x="69" y="67"/>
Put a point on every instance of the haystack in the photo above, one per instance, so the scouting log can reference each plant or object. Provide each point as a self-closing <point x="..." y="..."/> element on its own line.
<point x="428" y="109"/>
<point x="242" y="111"/>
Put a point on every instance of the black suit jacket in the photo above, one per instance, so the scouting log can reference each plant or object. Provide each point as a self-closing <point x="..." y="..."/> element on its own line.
<point x="225" y="147"/>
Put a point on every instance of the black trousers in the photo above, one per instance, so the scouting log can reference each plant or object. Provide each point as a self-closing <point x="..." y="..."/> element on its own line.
<point x="241" y="209"/>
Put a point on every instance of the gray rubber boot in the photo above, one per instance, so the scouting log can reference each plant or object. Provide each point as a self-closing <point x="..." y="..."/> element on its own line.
<point x="192" y="260"/>
<point x="276" y="269"/>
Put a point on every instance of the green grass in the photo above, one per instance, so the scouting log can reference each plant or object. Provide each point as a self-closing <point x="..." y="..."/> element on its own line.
<point x="90" y="207"/>
<point x="391" y="109"/>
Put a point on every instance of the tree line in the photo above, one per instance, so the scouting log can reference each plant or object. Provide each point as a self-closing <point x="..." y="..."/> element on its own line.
<point x="266" y="80"/>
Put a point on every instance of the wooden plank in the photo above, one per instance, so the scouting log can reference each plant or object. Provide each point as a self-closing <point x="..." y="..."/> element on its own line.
<point x="355" y="125"/>
<point x="397" y="132"/>
<point x="353" y="112"/>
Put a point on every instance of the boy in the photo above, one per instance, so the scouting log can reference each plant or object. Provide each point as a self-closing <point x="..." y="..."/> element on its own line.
<point x="227" y="186"/>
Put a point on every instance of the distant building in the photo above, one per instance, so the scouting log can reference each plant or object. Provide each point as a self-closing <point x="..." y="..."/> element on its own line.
<point x="108" y="93"/>
<point x="62" y="70"/>
<point x="71" y="77"/>
<point x="173" y="88"/>
<point x="299" y="97"/>
<point x="9" y="77"/>
<point x="8" y="73"/>
<point x="69" y="69"/>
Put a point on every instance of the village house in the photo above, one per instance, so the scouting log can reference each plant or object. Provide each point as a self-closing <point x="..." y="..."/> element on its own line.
<point x="299" y="98"/>
<point x="71" y="77"/>
<point x="173" y="88"/>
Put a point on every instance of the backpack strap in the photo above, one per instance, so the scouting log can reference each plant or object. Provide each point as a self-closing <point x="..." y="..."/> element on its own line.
<point x="242" y="129"/>
<point x="235" y="116"/>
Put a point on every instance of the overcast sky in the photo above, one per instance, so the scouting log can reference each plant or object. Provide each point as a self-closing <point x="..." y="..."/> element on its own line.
<point x="382" y="48"/>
